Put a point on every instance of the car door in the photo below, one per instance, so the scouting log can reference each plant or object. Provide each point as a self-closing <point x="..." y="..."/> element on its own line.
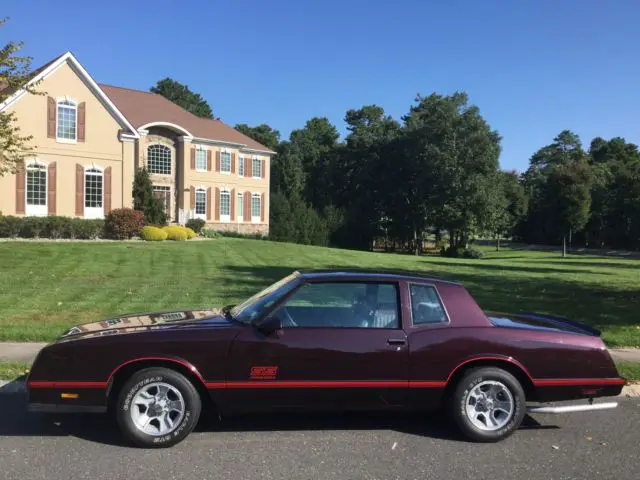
<point x="341" y="345"/>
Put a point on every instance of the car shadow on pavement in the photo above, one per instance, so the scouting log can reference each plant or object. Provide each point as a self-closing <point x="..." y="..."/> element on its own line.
<point x="18" y="422"/>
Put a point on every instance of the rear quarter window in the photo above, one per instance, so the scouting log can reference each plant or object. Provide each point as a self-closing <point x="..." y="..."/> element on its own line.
<point x="426" y="307"/>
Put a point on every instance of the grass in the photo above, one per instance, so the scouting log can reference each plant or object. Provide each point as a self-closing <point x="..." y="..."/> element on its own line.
<point x="630" y="371"/>
<point x="11" y="370"/>
<point x="48" y="287"/>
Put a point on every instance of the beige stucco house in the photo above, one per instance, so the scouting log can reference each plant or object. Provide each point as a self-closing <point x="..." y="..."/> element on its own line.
<point x="89" y="138"/>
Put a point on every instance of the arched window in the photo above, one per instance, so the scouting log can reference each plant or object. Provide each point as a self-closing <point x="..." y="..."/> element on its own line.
<point x="36" y="189"/>
<point x="93" y="193"/>
<point x="159" y="159"/>
<point x="67" y="115"/>
<point x="225" y="206"/>
<point x="201" y="203"/>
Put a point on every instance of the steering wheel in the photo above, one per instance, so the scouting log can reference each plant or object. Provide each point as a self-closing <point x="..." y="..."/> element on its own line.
<point x="286" y="318"/>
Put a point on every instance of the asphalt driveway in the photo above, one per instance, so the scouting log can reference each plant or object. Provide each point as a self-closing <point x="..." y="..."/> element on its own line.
<point x="599" y="445"/>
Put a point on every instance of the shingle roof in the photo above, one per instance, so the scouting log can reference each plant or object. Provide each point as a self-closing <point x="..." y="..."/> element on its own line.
<point x="141" y="108"/>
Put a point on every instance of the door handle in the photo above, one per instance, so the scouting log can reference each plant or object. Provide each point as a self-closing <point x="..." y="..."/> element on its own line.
<point x="396" y="341"/>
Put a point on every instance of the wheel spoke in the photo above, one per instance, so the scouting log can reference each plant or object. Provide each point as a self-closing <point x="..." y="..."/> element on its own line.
<point x="504" y="406"/>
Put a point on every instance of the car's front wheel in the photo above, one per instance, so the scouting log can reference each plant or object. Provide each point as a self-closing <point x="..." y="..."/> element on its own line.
<point x="157" y="407"/>
<point x="488" y="404"/>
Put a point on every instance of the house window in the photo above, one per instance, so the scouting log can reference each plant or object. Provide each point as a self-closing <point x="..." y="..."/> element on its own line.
<point x="36" y="190"/>
<point x="93" y="189"/>
<point x="225" y="162"/>
<point x="201" y="159"/>
<point x="164" y="194"/>
<point x="159" y="159"/>
<point x="255" y="207"/>
<point x="66" y="120"/>
<point x="225" y="206"/>
<point x="256" y="168"/>
<point x="201" y="203"/>
<point x="241" y="166"/>
<point x="240" y="207"/>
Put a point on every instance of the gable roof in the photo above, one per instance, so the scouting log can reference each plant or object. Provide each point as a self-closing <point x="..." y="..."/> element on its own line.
<point x="147" y="108"/>
<point x="50" y="67"/>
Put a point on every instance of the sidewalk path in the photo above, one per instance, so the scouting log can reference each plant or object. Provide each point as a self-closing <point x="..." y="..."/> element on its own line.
<point x="19" y="352"/>
<point x="26" y="352"/>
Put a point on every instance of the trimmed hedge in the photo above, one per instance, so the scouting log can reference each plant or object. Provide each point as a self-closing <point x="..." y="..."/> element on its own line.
<point x="124" y="223"/>
<point x="153" y="234"/>
<point x="176" y="232"/>
<point x="54" y="227"/>
<point x="190" y="233"/>
<point x="196" y="224"/>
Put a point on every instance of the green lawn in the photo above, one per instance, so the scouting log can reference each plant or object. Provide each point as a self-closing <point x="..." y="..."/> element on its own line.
<point x="47" y="287"/>
<point x="12" y="370"/>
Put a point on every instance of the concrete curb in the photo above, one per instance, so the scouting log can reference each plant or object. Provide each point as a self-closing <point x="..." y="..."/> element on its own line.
<point x="15" y="387"/>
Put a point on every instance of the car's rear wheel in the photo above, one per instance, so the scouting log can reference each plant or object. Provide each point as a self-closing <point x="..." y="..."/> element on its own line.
<point x="488" y="404"/>
<point x="157" y="407"/>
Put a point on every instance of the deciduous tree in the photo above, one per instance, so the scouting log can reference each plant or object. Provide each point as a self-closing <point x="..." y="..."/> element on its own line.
<point x="181" y="95"/>
<point x="15" y="74"/>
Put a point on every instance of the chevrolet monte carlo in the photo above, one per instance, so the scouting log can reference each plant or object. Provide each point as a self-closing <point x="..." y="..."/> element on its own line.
<point x="347" y="341"/>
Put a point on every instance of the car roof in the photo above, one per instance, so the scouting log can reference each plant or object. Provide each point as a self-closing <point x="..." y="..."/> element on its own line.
<point x="369" y="274"/>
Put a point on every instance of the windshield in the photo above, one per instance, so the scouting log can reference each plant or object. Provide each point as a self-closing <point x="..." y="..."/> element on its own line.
<point x="251" y="308"/>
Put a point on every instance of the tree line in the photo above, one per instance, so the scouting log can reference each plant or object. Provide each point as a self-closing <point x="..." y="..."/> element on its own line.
<point x="436" y="172"/>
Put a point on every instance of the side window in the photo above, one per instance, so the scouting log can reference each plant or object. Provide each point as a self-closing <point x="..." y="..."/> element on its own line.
<point x="426" y="307"/>
<point x="342" y="305"/>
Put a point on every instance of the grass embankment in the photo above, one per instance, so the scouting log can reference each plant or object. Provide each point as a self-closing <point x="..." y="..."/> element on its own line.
<point x="48" y="287"/>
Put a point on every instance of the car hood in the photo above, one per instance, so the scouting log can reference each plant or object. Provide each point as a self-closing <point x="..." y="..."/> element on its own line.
<point x="536" y="321"/>
<point x="137" y="322"/>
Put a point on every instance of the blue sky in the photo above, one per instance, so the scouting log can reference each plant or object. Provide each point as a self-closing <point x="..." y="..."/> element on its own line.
<point x="533" y="67"/>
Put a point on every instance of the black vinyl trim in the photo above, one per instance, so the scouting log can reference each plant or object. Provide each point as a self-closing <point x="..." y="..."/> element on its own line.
<point x="57" y="408"/>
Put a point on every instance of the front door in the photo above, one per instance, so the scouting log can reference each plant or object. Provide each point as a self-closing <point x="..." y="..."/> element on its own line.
<point x="341" y="346"/>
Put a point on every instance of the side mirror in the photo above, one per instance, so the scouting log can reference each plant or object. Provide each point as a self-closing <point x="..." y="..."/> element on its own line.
<point x="269" y="325"/>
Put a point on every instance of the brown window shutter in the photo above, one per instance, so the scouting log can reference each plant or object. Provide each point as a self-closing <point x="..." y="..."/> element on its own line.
<point x="193" y="158"/>
<point x="218" y="161"/>
<point x="51" y="188"/>
<point x="247" y="206"/>
<point x="193" y="198"/>
<point x="232" y="202"/>
<point x="81" y="121"/>
<point x="249" y="166"/>
<point x="79" y="190"/>
<point x="264" y="163"/>
<point x="217" y="204"/>
<point x="107" y="190"/>
<point x="262" y="208"/>
<point x="51" y="117"/>
<point x="209" y="160"/>
<point x="233" y="163"/>
<point x="20" y="185"/>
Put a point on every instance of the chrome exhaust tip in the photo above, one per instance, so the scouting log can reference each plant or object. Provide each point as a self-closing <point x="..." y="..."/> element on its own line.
<point x="573" y="408"/>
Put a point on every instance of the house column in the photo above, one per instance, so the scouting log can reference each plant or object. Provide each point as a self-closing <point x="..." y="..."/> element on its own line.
<point x="183" y="156"/>
<point x="128" y="168"/>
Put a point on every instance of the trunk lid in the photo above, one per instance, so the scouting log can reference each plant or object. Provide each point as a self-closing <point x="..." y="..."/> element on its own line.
<point x="537" y="321"/>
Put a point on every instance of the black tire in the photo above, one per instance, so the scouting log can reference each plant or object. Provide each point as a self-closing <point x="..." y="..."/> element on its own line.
<point x="471" y="379"/>
<point x="192" y="407"/>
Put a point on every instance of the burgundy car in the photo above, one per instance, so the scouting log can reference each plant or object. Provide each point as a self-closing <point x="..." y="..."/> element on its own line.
<point x="326" y="341"/>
